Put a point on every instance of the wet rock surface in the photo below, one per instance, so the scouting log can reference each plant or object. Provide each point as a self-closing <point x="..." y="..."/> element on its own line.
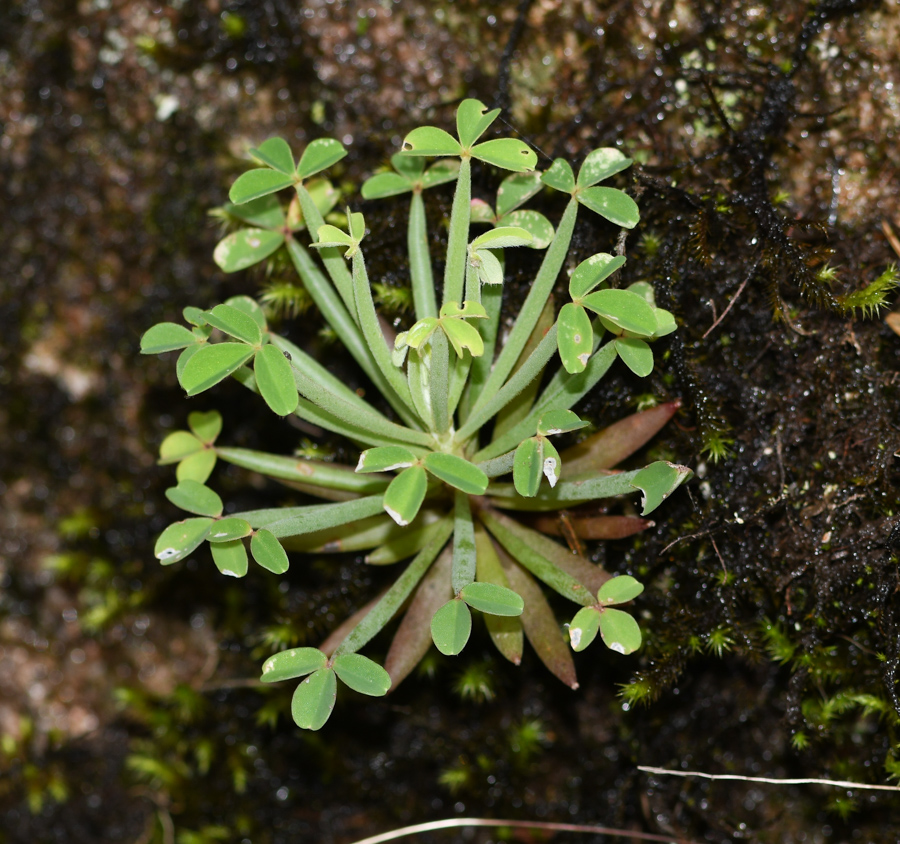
<point x="765" y="140"/>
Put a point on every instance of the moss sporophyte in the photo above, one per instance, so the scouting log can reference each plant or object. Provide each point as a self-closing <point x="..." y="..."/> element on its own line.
<point x="469" y="436"/>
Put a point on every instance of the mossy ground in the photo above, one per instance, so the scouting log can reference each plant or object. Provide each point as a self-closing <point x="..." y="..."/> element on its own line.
<point x="766" y="135"/>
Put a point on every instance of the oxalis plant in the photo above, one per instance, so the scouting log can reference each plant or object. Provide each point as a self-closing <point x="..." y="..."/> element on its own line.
<point x="465" y="434"/>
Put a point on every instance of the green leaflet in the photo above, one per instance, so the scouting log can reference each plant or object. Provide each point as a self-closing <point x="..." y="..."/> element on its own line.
<point x="246" y="247"/>
<point x="288" y="665"/>
<point x="211" y="364"/>
<point x="658" y="481"/>
<point x="405" y="495"/>
<point x="451" y="627"/>
<point x="275" y="380"/>
<point x="619" y="631"/>
<point x="276" y="153"/>
<point x="313" y="700"/>
<point x="195" y="498"/>
<point x="492" y="599"/>
<point x="230" y="557"/>
<point x="362" y="674"/>
<point x="619" y="589"/>
<point x="267" y="551"/>
<point x="457" y="471"/>
<point x="177" y="541"/>
<point x="256" y="183"/>
<point x="166" y="337"/>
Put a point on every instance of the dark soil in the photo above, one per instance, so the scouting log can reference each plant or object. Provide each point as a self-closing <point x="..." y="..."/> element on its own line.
<point x="765" y="137"/>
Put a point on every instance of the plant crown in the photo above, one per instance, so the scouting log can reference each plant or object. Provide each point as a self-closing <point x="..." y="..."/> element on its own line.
<point x="468" y="409"/>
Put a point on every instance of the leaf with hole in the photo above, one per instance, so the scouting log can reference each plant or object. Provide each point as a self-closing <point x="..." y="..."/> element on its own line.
<point x="611" y="204"/>
<point x="492" y="599"/>
<point x="600" y="164"/>
<point x="267" y="551"/>
<point x="195" y="498"/>
<point x="246" y="247"/>
<point x="211" y="364"/>
<point x="584" y="627"/>
<point x="620" y="632"/>
<point x="230" y="557"/>
<point x="458" y="472"/>
<point x="462" y="336"/>
<point x="658" y="481"/>
<point x="472" y="120"/>
<point x="574" y="337"/>
<point x="507" y="153"/>
<point x="276" y="153"/>
<point x="275" y="380"/>
<point x="180" y="539"/>
<point x="256" y="183"/>
<point x="313" y="700"/>
<point x="451" y="626"/>
<point x="319" y="156"/>
<point x="166" y="337"/>
<point x="429" y="140"/>
<point x="288" y="665"/>
<point x="405" y="495"/>
<point x="636" y="355"/>
<point x="619" y="590"/>
<point x="362" y="674"/>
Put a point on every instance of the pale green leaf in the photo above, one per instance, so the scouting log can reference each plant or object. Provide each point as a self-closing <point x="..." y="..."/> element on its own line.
<point x="492" y="599"/>
<point x="166" y="337"/>
<point x="320" y="155"/>
<point x="515" y="190"/>
<point x="600" y="164"/>
<point x="559" y="422"/>
<point x="276" y="153"/>
<point x="624" y="309"/>
<point x="636" y="355"/>
<point x="405" y="495"/>
<point x="502" y="237"/>
<point x="590" y="272"/>
<point x="665" y="322"/>
<point x="230" y="557"/>
<point x="488" y="267"/>
<point x="178" y="445"/>
<point x="385" y="458"/>
<point x="507" y="153"/>
<point x="560" y="176"/>
<point x="229" y="529"/>
<point x="313" y="701"/>
<point x="248" y="306"/>
<point x="246" y="247"/>
<point x="619" y="590"/>
<point x="383" y="185"/>
<point x="211" y="364"/>
<point x="235" y="322"/>
<point x="429" y="140"/>
<point x="535" y="223"/>
<point x="527" y="467"/>
<point x="362" y="674"/>
<point x="205" y="425"/>
<point x="620" y="632"/>
<point x="583" y="628"/>
<point x="293" y="663"/>
<point x="458" y="472"/>
<point x="611" y="204"/>
<point x="256" y="183"/>
<point x="574" y="337"/>
<point x="198" y="467"/>
<point x="439" y="173"/>
<point x="180" y="539"/>
<point x="275" y="380"/>
<point x="472" y="120"/>
<point x="195" y="498"/>
<point x="451" y="626"/>
<point x="267" y="551"/>
<point x="263" y="213"/>
<point x="658" y="481"/>
<point x="462" y="335"/>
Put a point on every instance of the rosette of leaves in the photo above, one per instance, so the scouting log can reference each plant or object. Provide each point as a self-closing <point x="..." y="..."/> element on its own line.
<point x="458" y="477"/>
